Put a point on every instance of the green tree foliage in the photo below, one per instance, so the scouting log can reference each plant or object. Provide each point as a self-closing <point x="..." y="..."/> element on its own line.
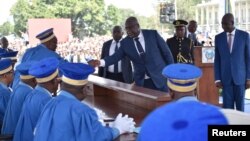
<point x="6" y="29"/>
<point x="113" y="17"/>
<point x="89" y="17"/>
<point x="123" y="15"/>
<point x="186" y="10"/>
<point x="24" y="10"/>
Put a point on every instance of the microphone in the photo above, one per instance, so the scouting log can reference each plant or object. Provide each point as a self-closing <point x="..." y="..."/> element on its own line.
<point x="211" y="43"/>
<point x="202" y="42"/>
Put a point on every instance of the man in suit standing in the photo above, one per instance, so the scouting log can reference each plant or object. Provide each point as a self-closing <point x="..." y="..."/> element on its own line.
<point x="4" y="45"/>
<point x="232" y="63"/>
<point x="192" y="27"/>
<point x="121" y="71"/>
<point x="148" y="52"/>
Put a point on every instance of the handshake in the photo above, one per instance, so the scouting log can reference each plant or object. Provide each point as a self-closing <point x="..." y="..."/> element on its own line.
<point x="124" y="124"/>
<point x="94" y="63"/>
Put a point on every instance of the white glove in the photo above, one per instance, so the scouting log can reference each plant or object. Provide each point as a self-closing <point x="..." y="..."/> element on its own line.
<point x="101" y="115"/>
<point x="124" y="124"/>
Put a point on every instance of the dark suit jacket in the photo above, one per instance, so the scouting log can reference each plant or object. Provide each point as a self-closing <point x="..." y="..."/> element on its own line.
<point x="125" y="64"/>
<point x="193" y="37"/>
<point x="157" y="56"/>
<point x="234" y="66"/>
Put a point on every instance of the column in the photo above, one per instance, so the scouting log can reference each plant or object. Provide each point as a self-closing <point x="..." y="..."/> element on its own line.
<point x="239" y="15"/>
<point x="246" y="15"/>
<point x="213" y="18"/>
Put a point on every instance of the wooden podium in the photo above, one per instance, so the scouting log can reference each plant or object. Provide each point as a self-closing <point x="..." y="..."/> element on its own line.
<point x="206" y="90"/>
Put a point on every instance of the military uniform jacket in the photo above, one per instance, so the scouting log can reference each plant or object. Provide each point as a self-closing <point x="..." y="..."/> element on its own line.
<point x="184" y="47"/>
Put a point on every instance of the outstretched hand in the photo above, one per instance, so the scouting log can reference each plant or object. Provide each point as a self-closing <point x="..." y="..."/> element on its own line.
<point x="94" y="63"/>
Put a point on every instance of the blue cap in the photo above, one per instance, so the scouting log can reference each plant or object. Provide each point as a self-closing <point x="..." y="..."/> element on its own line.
<point x="46" y="35"/>
<point x="45" y="70"/>
<point x="9" y="55"/>
<point x="181" y="121"/>
<point x="182" y="77"/>
<point x="23" y="69"/>
<point x="5" y="66"/>
<point x="76" y="73"/>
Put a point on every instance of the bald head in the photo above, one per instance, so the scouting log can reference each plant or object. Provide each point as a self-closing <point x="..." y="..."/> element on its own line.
<point x="228" y="22"/>
<point x="4" y="42"/>
<point x="117" y="33"/>
<point x="192" y="26"/>
<point x="117" y="27"/>
<point x="132" y="27"/>
<point x="132" y="19"/>
<point x="228" y="16"/>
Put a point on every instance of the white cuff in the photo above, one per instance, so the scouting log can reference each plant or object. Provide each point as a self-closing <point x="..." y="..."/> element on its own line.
<point x="102" y="63"/>
<point x="216" y="81"/>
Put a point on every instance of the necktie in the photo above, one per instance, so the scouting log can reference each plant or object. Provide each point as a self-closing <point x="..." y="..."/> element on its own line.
<point x="229" y="41"/>
<point x="190" y="36"/>
<point x="116" y="64"/>
<point x="139" y="48"/>
<point x="141" y="53"/>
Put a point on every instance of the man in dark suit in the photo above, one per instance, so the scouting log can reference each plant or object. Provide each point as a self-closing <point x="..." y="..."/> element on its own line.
<point x="232" y="63"/>
<point x="192" y="27"/>
<point x="121" y="71"/>
<point x="181" y="46"/>
<point x="148" y="53"/>
<point x="4" y="45"/>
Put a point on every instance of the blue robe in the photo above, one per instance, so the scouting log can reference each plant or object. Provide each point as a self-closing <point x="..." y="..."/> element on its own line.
<point x="32" y="107"/>
<point x="66" y="118"/>
<point x="4" y="99"/>
<point x="35" y="54"/>
<point x="1" y="50"/>
<point x="14" y="107"/>
<point x="5" y="50"/>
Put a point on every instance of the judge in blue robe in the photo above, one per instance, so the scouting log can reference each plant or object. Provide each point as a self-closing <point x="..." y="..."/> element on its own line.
<point x="46" y="49"/>
<point x="182" y="81"/>
<point x="17" y="98"/>
<point x="66" y="118"/>
<point x="45" y="72"/>
<point x="6" y="77"/>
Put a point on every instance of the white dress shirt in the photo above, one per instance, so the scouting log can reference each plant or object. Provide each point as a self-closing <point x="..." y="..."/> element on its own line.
<point x="142" y="41"/>
<point x="111" y="52"/>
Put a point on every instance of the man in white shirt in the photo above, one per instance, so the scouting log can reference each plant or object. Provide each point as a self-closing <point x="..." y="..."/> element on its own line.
<point x="122" y="70"/>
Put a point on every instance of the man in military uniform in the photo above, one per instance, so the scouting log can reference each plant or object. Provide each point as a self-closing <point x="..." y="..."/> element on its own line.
<point x="181" y="46"/>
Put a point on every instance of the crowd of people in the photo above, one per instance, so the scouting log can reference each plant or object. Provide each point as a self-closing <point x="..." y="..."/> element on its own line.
<point x="75" y="50"/>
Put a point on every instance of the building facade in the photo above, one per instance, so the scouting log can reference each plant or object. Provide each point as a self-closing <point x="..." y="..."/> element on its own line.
<point x="210" y="13"/>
